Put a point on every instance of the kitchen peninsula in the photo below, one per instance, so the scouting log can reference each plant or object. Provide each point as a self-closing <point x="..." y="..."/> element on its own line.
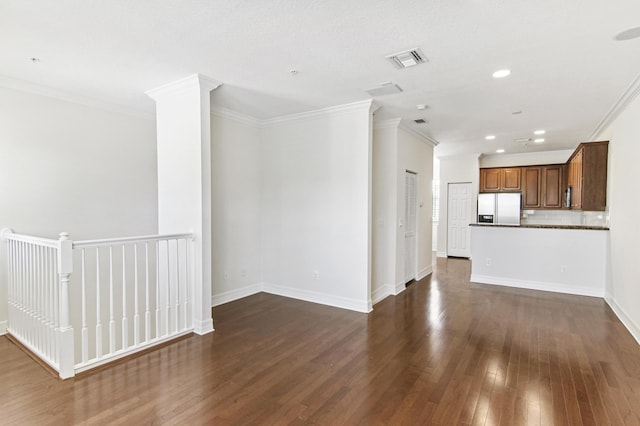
<point x="536" y="253"/>
<point x="560" y="258"/>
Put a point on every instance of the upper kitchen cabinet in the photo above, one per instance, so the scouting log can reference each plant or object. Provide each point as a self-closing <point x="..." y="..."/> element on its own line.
<point x="542" y="186"/>
<point x="552" y="185"/>
<point x="500" y="179"/>
<point x="587" y="176"/>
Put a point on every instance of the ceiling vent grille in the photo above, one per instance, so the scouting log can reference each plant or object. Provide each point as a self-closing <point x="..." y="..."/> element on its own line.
<point x="386" y="88"/>
<point x="408" y="58"/>
<point x="420" y="121"/>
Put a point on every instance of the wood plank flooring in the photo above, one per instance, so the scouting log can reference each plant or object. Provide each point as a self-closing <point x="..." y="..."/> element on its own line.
<point x="443" y="352"/>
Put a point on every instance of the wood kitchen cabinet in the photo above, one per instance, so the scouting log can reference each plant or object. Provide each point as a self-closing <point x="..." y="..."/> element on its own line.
<point x="587" y="176"/>
<point x="542" y="187"/>
<point x="531" y="177"/>
<point x="500" y="179"/>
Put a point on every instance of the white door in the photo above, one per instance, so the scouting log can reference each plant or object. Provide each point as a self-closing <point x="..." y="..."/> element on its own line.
<point x="459" y="215"/>
<point x="410" y="234"/>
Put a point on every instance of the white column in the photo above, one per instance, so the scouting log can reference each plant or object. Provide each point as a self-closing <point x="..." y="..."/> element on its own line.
<point x="184" y="177"/>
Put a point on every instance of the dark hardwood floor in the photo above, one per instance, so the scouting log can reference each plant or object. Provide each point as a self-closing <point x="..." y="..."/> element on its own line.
<point x="443" y="352"/>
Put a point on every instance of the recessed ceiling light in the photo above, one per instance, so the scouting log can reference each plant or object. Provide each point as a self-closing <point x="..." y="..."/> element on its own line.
<point x="539" y="132"/>
<point x="500" y="151"/>
<point x="501" y="73"/>
<point x="539" y="140"/>
<point x="629" y="34"/>
<point x="490" y="137"/>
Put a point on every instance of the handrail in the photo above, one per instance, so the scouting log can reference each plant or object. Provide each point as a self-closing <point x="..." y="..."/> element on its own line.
<point x="125" y="240"/>
<point x="47" y="242"/>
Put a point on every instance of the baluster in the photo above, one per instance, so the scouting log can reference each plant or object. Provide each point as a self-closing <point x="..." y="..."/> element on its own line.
<point x="177" y="310"/>
<point x="112" y="321"/>
<point x="85" y="336"/>
<point x="136" y="316"/>
<point x="168" y="291"/>
<point x="98" y="312"/>
<point x="125" y="321"/>
<point x="39" y="299"/>
<point x="48" y="295"/>
<point x="157" y="243"/>
<point x="186" y="284"/>
<point x="147" y="314"/>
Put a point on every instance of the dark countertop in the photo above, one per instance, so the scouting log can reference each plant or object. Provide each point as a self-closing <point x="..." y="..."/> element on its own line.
<point x="583" y="227"/>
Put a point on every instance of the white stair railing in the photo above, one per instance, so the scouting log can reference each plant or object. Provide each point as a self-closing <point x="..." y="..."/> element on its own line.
<point x="127" y="295"/>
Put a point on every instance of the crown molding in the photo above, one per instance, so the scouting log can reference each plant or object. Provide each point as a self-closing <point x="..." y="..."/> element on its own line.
<point x="194" y="81"/>
<point x="309" y="115"/>
<point x="424" y="138"/>
<point x="36" y="89"/>
<point x="390" y="123"/>
<point x="627" y="97"/>
<point x="228" y="114"/>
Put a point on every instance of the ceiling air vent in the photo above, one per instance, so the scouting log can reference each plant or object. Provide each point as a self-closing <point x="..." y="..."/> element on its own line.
<point x="420" y="121"/>
<point x="386" y="88"/>
<point x="408" y="58"/>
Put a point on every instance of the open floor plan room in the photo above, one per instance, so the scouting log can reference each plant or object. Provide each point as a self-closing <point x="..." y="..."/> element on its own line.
<point x="444" y="351"/>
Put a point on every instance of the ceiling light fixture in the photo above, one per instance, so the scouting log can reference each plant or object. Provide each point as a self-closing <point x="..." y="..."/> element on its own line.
<point x="500" y="151"/>
<point x="490" y="137"/>
<point x="539" y="140"/>
<point x="501" y="73"/>
<point x="629" y="34"/>
<point x="421" y="106"/>
<point x="539" y="132"/>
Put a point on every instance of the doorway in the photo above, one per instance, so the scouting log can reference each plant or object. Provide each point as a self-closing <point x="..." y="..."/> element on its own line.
<point x="410" y="234"/>
<point x="459" y="215"/>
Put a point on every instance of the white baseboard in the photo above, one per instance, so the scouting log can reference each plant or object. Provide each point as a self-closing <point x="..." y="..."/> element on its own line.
<point x="382" y="293"/>
<point x="625" y="319"/>
<point x="537" y="285"/>
<point x="3" y="327"/>
<point x="202" y="327"/>
<point x="235" y="294"/>
<point x="321" y="298"/>
<point x="426" y="271"/>
<point x="441" y="254"/>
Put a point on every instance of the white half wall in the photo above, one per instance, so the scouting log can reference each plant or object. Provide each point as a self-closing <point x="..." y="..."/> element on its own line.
<point x="74" y="168"/>
<point x="623" y="292"/>
<point x="569" y="261"/>
<point x="236" y="210"/>
<point x="457" y="169"/>
<point x="316" y="204"/>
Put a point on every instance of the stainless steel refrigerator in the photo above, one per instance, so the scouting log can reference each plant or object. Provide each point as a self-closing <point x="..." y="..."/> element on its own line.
<point x="501" y="208"/>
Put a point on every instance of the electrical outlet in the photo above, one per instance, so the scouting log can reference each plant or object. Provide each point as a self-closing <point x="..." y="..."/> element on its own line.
<point x="488" y="262"/>
<point x="243" y="272"/>
<point x="226" y="275"/>
<point x="563" y="269"/>
<point x="316" y="275"/>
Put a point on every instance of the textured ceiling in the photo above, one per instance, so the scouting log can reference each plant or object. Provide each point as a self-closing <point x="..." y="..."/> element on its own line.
<point x="567" y="71"/>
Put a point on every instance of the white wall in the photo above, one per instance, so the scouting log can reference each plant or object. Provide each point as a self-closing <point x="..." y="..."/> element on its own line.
<point x="385" y="209"/>
<point x="69" y="167"/>
<point x="526" y="159"/>
<point x="236" y="196"/>
<point x="315" y="206"/>
<point x="458" y="169"/>
<point x="417" y="156"/>
<point x="561" y="260"/>
<point x="623" y="292"/>
<point x="395" y="151"/>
